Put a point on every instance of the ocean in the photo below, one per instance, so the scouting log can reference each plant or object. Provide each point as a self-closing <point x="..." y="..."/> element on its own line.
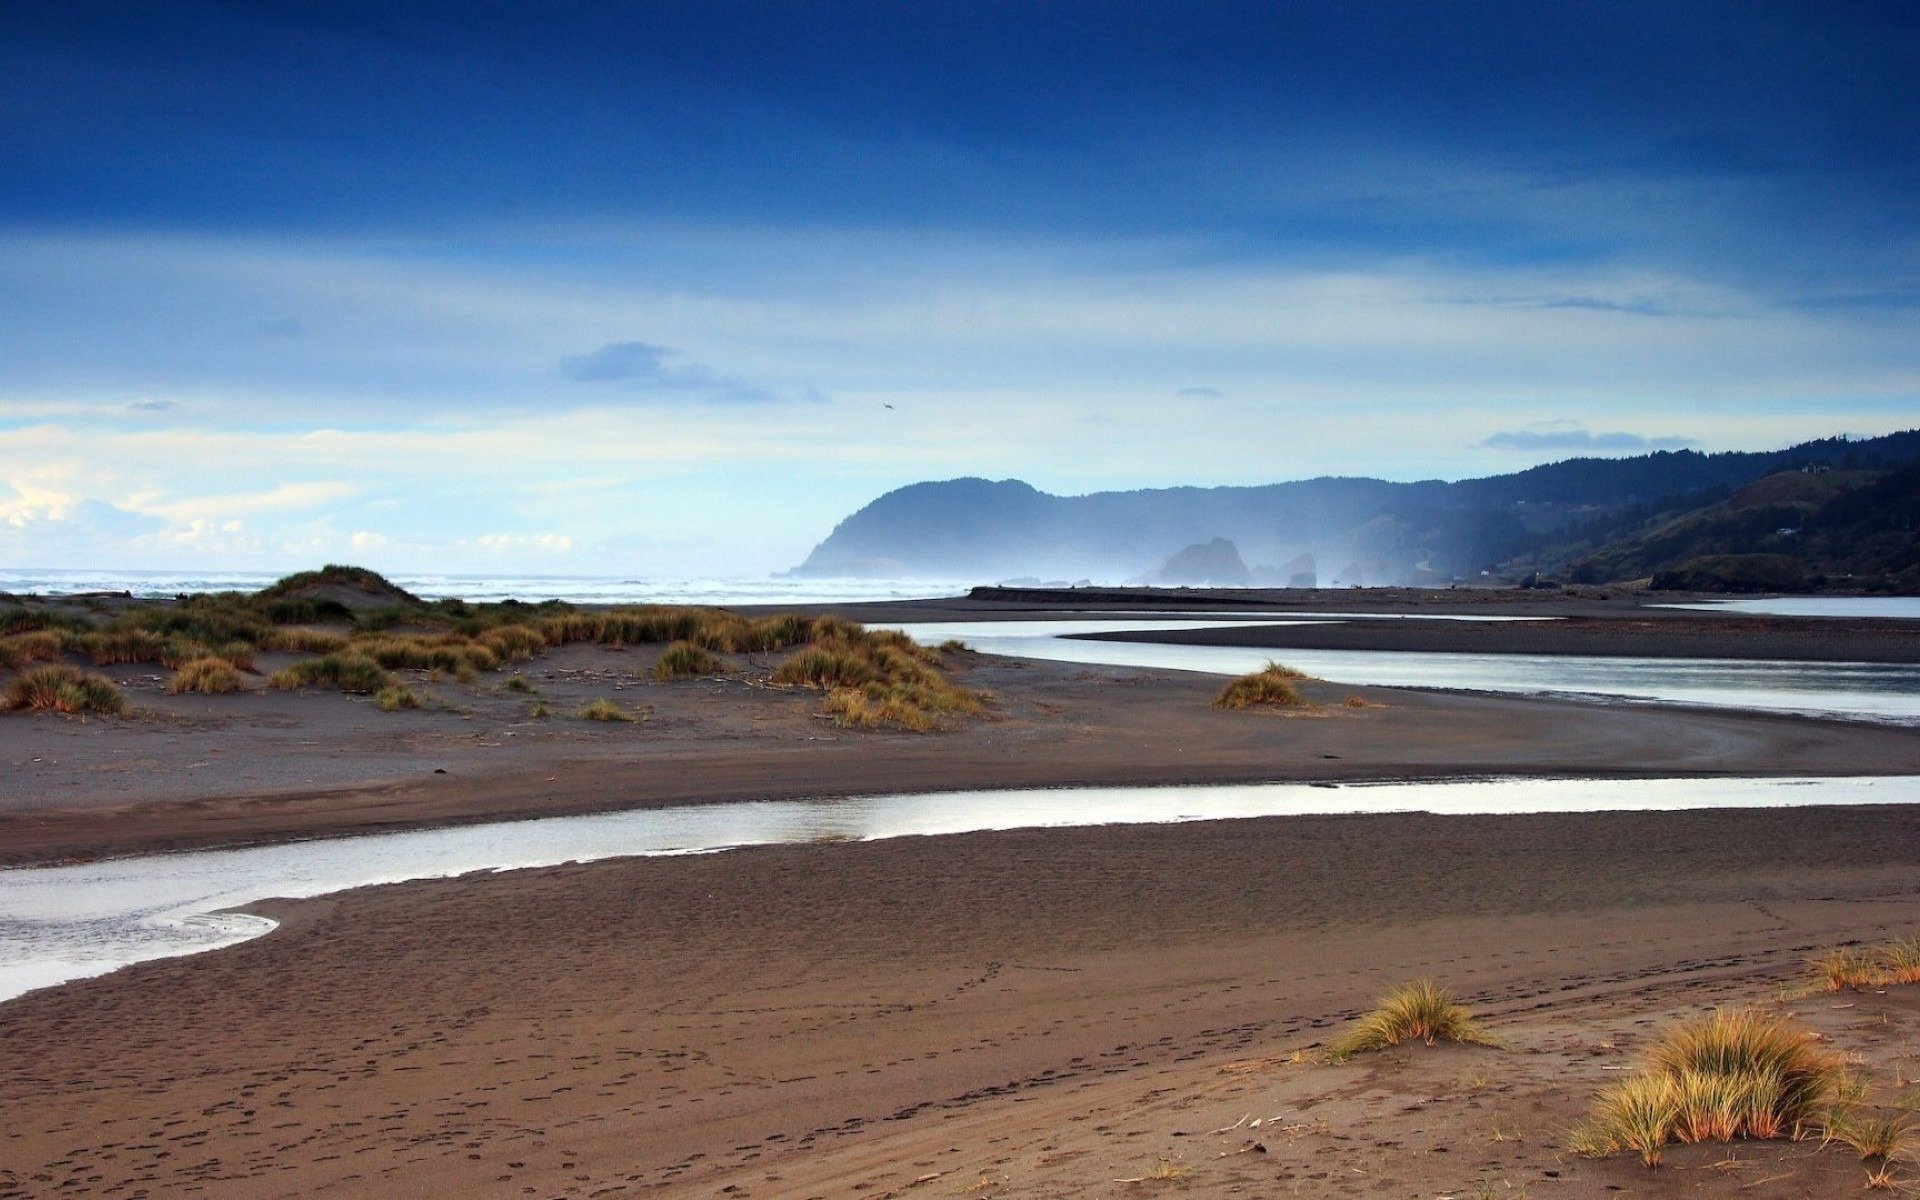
<point x="576" y="589"/>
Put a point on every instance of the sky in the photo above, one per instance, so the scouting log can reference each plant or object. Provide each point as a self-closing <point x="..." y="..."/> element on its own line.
<point x="670" y="288"/>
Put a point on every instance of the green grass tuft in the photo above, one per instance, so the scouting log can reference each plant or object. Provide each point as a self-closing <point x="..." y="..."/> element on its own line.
<point x="345" y="671"/>
<point x="684" y="660"/>
<point x="821" y="667"/>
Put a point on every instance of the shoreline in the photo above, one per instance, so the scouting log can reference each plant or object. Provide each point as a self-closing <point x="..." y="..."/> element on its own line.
<point x="1018" y="1014"/>
<point x="1061" y="726"/>
<point x="1052" y="1010"/>
<point x="192" y="772"/>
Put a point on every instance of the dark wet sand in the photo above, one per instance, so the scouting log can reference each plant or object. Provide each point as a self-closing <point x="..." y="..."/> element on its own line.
<point x="1048" y="1012"/>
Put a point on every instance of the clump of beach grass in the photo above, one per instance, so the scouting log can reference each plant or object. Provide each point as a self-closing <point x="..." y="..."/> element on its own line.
<point x="1735" y="1074"/>
<point x="685" y="660"/>
<point x="1878" y="1136"/>
<point x="1844" y="969"/>
<point x="1638" y="1114"/>
<point x="42" y="645"/>
<point x="1900" y="960"/>
<point x="605" y="710"/>
<point x="1418" y="1010"/>
<point x="826" y="667"/>
<point x="299" y="640"/>
<point x="1272" y="686"/>
<point x="396" y="696"/>
<point x="62" y="689"/>
<point x="877" y="679"/>
<point x="520" y="684"/>
<point x="207" y="676"/>
<point x="345" y="671"/>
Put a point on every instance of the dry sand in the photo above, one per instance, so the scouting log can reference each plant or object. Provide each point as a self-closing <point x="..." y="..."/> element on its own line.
<point x="1015" y="1014"/>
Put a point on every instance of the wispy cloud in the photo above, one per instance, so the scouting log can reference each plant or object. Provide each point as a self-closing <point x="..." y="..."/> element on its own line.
<point x="644" y="366"/>
<point x="1200" y="393"/>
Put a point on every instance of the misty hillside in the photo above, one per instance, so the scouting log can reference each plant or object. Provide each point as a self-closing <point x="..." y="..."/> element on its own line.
<point x="1345" y="530"/>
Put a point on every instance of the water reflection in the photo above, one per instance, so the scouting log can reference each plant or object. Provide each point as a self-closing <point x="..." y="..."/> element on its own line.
<point x="1861" y="691"/>
<point x="63" y="923"/>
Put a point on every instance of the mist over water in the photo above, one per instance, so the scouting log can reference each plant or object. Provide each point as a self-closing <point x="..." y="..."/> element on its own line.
<point x="575" y="589"/>
<point x="1888" y="692"/>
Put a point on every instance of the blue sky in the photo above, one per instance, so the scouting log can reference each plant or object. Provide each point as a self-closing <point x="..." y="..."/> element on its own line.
<point x="670" y="288"/>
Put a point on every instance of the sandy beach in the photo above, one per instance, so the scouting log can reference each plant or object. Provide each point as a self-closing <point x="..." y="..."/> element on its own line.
<point x="1096" y="1011"/>
<point x="1022" y="1014"/>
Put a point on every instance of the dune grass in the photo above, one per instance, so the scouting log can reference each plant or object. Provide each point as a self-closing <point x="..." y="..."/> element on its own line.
<point x="1844" y="969"/>
<point x="207" y="676"/>
<point x="16" y="650"/>
<point x="1418" y="1010"/>
<point x="396" y="696"/>
<point x="871" y="679"/>
<point x="686" y="660"/>
<point x="1900" y="960"/>
<point x="299" y="640"/>
<point x="1272" y="686"/>
<point x="1872" y="1136"/>
<point x="605" y="710"/>
<point x="1735" y="1074"/>
<point x="826" y="667"/>
<point x="1852" y="968"/>
<point x="345" y="671"/>
<point x="62" y="689"/>
<point x="336" y="575"/>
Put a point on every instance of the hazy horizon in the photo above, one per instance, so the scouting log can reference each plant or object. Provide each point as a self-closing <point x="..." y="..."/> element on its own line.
<point x="671" y="290"/>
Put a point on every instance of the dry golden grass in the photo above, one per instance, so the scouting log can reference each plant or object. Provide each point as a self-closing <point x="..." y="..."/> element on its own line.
<point x="1900" y="960"/>
<point x="822" y="667"/>
<point x="396" y="696"/>
<point x="1272" y="686"/>
<point x="1419" y="1010"/>
<point x="304" y="641"/>
<point x="62" y="689"/>
<point x="1734" y="1074"/>
<point x="208" y="676"/>
<point x="1844" y="970"/>
<point x="40" y="645"/>
<point x="1638" y="1114"/>
<point x="1877" y="1135"/>
<point x="605" y="710"/>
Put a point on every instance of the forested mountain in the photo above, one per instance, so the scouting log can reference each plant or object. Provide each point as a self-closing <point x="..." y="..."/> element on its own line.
<point x="1585" y="515"/>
